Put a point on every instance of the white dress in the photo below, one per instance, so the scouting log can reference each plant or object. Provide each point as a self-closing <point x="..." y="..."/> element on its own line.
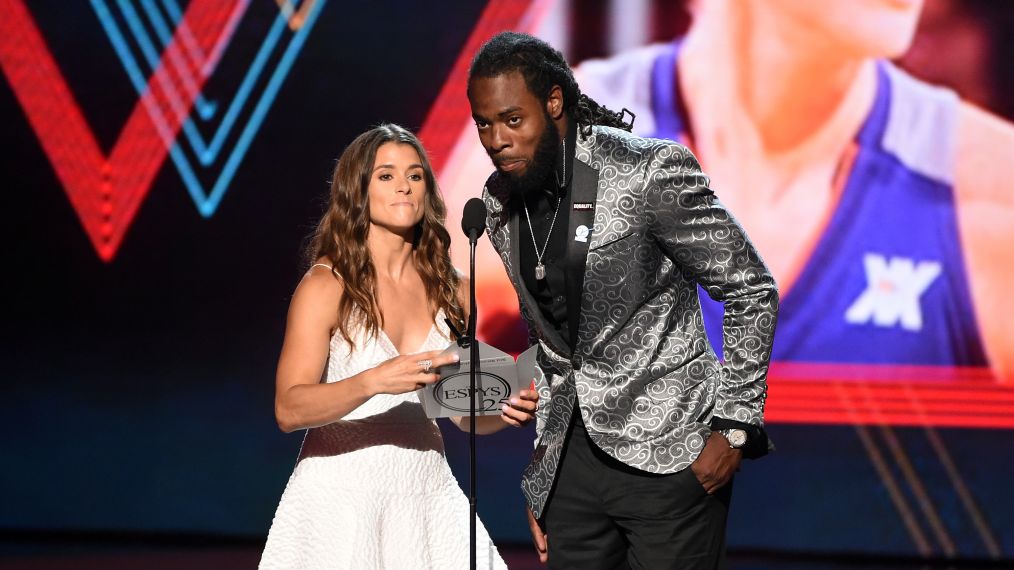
<point x="374" y="490"/>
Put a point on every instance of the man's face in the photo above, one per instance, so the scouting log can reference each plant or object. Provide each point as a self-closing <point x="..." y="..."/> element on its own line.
<point x="515" y="129"/>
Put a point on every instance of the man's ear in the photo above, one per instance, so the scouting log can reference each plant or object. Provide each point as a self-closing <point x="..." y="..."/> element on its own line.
<point x="554" y="103"/>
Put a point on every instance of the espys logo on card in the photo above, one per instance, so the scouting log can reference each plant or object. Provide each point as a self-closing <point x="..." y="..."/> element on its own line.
<point x="452" y="392"/>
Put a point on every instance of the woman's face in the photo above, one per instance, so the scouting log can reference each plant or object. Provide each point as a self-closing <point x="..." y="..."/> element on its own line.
<point x="866" y="28"/>
<point x="397" y="189"/>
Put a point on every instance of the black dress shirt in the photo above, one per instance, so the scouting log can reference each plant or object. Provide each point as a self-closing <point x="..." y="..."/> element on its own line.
<point x="550" y="293"/>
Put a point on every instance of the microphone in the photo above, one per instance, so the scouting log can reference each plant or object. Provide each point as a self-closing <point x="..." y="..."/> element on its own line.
<point x="473" y="220"/>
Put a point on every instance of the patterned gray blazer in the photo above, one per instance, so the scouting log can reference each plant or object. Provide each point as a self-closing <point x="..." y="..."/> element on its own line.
<point x="642" y="369"/>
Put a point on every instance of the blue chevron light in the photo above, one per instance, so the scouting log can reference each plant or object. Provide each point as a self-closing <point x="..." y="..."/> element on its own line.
<point x="205" y="109"/>
<point x="206" y="154"/>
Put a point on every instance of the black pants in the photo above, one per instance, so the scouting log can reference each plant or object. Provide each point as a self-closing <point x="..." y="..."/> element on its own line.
<point x="604" y="514"/>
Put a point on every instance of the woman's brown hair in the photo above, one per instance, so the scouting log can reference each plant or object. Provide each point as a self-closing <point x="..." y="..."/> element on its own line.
<point x="341" y="236"/>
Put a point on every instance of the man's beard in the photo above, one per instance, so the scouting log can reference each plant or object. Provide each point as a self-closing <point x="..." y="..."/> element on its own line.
<point x="539" y="170"/>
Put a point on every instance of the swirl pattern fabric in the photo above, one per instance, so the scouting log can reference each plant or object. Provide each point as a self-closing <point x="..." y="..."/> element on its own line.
<point x="645" y="378"/>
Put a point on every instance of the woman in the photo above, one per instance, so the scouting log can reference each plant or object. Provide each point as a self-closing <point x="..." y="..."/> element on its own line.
<point x="371" y="488"/>
<point x="881" y="203"/>
<point x="896" y="189"/>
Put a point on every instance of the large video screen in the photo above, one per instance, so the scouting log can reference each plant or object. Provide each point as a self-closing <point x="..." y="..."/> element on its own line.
<point x="166" y="160"/>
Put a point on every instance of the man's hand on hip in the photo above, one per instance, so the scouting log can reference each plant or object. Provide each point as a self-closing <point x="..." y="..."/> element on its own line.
<point x="717" y="462"/>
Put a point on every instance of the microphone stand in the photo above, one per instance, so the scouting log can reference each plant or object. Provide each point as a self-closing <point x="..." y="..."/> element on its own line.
<point x="473" y="223"/>
<point x="473" y="345"/>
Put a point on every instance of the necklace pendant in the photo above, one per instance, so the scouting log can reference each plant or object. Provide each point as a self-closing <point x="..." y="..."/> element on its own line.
<point x="540" y="271"/>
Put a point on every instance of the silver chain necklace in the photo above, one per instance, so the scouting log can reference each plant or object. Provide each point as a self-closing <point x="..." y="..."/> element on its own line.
<point x="540" y="269"/>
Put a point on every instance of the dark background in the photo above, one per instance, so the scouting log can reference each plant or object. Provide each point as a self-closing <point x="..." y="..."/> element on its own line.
<point x="138" y="393"/>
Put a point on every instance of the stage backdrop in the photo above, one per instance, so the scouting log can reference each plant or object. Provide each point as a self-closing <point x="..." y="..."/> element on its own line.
<point x="165" y="161"/>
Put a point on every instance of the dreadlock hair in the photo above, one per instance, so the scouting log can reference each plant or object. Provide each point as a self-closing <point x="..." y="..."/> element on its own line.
<point x="543" y="67"/>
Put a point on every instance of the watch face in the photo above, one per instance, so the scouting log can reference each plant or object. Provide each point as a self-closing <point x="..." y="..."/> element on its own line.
<point x="736" y="437"/>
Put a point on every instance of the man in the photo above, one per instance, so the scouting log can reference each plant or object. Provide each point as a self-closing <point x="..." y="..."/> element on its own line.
<point x="605" y="237"/>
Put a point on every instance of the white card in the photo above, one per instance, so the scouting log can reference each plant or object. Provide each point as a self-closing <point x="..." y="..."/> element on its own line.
<point x="496" y="381"/>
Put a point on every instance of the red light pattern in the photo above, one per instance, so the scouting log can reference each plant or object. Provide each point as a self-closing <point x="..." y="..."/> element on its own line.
<point x="888" y="395"/>
<point x="450" y="112"/>
<point x="106" y="191"/>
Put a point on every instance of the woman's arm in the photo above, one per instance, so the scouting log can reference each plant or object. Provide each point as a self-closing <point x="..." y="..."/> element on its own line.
<point x="301" y="400"/>
<point x="986" y="223"/>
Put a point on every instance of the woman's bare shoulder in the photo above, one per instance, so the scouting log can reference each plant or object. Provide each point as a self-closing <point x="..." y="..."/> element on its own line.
<point x="319" y="287"/>
<point x="985" y="147"/>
